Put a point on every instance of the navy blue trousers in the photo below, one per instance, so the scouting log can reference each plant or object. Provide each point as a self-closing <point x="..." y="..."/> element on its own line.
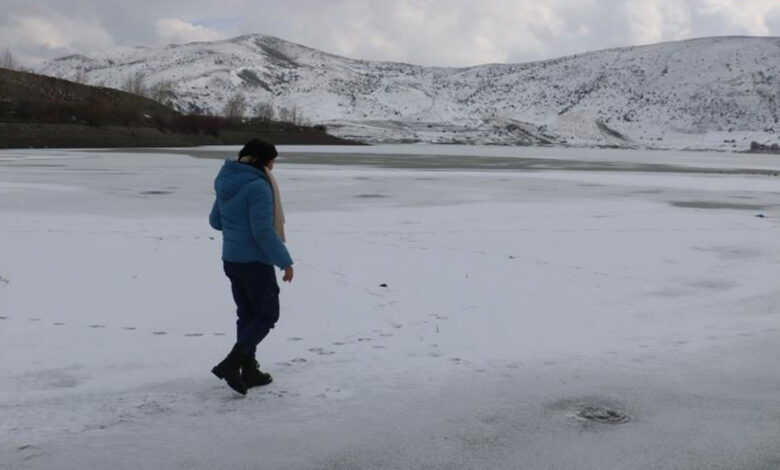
<point x="257" y="300"/>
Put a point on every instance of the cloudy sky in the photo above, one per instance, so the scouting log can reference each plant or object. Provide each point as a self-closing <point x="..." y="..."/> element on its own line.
<point x="428" y="32"/>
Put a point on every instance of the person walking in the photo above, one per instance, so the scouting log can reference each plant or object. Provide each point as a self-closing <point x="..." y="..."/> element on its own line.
<point x="248" y="211"/>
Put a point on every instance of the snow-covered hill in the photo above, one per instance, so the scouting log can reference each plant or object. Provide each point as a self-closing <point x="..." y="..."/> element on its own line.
<point x="701" y="93"/>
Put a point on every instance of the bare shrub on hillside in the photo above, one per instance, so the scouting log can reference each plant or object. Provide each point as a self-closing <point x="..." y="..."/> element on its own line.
<point x="291" y="116"/>
<point x="235" y="107"/>
<point x="162" y="92"/>
<point x="135" y="84"/>
<point x="8" y="60"/>
<point x="264" y="113"/>
<point x="80" y="76"/>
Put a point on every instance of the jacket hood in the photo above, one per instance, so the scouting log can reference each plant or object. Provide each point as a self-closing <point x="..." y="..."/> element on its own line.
<point x="233" y="176"/>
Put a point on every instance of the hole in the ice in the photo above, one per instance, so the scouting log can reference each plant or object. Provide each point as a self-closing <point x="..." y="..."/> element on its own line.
<point x="600" y="414"/>
<point x="155" y="193"/>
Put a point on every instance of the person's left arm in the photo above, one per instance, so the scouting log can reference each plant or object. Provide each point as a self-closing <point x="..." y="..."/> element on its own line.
<point x="214" y="218"/>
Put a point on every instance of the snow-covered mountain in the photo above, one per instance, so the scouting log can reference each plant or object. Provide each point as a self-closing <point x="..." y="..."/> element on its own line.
<point x="702" y="93"/>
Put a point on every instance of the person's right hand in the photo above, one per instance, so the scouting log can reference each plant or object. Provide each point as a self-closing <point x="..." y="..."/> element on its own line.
<point x="288" y="274"/>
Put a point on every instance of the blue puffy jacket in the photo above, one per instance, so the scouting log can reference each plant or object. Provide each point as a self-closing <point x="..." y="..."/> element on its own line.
<point x="244" y="212"/>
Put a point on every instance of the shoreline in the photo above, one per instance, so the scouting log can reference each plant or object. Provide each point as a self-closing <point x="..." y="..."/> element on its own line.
<point x="38" y="135"/>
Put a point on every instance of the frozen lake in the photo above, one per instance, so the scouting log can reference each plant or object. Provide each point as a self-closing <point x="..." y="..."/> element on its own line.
<point x="453" y="308"/>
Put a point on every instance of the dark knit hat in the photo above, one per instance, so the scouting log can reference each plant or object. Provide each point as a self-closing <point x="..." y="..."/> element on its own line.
<point x="259" y="149"/>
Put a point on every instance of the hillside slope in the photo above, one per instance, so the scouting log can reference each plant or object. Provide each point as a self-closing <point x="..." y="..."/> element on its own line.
<point x="702" y="93"/>
<point x="43" y="111"/>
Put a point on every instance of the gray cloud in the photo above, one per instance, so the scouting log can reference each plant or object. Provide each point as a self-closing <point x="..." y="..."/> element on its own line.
<point x="430" y="32"/>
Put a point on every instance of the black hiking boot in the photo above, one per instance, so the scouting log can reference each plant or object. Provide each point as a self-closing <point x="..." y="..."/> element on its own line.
<point x="252" y="375"/>
<point x="230" y="371"/>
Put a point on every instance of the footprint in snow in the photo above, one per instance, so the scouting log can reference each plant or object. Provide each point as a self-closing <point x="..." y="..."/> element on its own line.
<point x="298" y="360"/>
<point x="59" y="324"/>
<point x="385" y="335"/>
<point x="5" y="318"/>
<point x="96" y="326"/>
<point x="330" y="393"/>
<point x="193" y="335"/>
<point x="294" y="338"/>
<point x="128" y="328"/>
<point x="219" y="334"/>
<point x="159" y="333"/>
<point x="35" y="319"/>
<point x="363" y="340"/>
<point x="321" y="352"/>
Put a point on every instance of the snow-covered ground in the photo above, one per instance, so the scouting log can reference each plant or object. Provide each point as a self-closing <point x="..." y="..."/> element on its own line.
<point x="443" y="316"/>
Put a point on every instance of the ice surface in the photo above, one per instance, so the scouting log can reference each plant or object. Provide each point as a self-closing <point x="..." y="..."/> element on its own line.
<point x="490" y="318"/>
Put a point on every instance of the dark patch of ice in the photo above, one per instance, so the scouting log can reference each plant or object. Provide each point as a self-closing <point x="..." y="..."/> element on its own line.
<point x="715" y="205"/>
<point x="155" y="193"/>
<point x="729" y="253"/>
